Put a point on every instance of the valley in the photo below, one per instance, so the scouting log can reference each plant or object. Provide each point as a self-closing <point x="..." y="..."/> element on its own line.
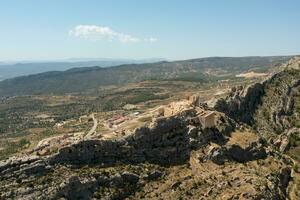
<point x="30" y="118"/>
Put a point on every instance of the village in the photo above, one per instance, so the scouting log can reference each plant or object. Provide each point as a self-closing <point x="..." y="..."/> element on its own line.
<point x="120" y="124"/>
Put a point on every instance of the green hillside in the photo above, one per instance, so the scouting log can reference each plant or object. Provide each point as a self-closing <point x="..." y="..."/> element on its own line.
<point x="83" y="79"/>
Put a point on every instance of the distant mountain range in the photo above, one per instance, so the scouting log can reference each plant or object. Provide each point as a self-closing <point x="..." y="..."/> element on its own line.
<point x="15" y="69"/>
<point x="81" y="79"/>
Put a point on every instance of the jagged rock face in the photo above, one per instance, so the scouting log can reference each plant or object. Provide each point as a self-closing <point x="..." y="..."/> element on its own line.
<point x="254" y="151"/>
<point x="271" y="106"/>
<point x="222" y="154"/>
<point x="282" y="142"/>
<point x="241" y="103"/>
<point x="228" y="164"/>
<point x="294" y="63"/>
<point x="90" y="182"/>
<point x="279" y="110"/>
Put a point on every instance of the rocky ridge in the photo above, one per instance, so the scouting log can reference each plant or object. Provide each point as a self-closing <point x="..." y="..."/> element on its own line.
<point x="117" y="169"/>
<point x="242" y="102"/>
<point x="271" y="106"/>
<point x="188" y="161"/>
<point x="167" y="141"/>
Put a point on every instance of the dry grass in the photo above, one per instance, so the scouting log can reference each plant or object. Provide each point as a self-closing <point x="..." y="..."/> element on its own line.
<point x="243" y="139"/>
<point x="251" y="75"/>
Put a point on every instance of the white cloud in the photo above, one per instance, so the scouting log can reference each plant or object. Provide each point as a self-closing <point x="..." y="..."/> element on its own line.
<point x="151" y="39"/>
<point x="127" y="38"/>
<point x="93" y="32"/>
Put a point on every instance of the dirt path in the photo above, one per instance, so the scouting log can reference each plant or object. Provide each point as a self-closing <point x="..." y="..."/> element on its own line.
<point x="93" y="129"/>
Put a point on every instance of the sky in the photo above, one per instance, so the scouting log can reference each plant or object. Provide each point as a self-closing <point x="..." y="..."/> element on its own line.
<point x="138" y="29"/>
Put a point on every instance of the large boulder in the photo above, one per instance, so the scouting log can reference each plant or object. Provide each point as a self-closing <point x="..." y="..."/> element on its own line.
<point x="254" y="151"/>
<point x="221" y="154"/>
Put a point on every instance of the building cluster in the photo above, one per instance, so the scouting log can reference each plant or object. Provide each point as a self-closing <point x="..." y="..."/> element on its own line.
<point x="206" y="117"/>
<point x="116" y="120"/>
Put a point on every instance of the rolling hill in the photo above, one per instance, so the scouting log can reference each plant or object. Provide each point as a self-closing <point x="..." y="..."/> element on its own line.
<point x="12" y="70"/>
<point x="82" y="79"/>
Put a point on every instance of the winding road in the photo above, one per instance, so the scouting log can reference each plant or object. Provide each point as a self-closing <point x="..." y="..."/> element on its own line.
<point x="93" y="129"/>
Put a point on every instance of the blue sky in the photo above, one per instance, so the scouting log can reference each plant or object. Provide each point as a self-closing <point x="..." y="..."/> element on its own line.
<point x="135" y="29"/>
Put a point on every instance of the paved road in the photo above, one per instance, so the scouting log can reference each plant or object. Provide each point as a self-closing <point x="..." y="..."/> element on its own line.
<point x="93" y="129"/>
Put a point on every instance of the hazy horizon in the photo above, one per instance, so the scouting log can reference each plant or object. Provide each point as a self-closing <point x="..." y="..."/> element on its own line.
<point x="55" y="60"/>
<point x="173" y="30"/>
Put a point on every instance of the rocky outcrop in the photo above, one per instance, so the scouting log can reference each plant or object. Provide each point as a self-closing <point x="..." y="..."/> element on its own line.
<point x="284" y="140"/>
<point x="221" y="154"/>
<point x="74" y="188"/>
<point x="241" y="102"/>
<point x="217" y="155"/>
<point x="229" y="164"/>
<point x="167" y="141"/>
<point x="294" y="63"/>
<point x="269" y="104"/>
<point x="279" y="108"/>
<point x="95" y="183"/>
<point x="254" y="151"/>
<point x="23" y="166"/>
